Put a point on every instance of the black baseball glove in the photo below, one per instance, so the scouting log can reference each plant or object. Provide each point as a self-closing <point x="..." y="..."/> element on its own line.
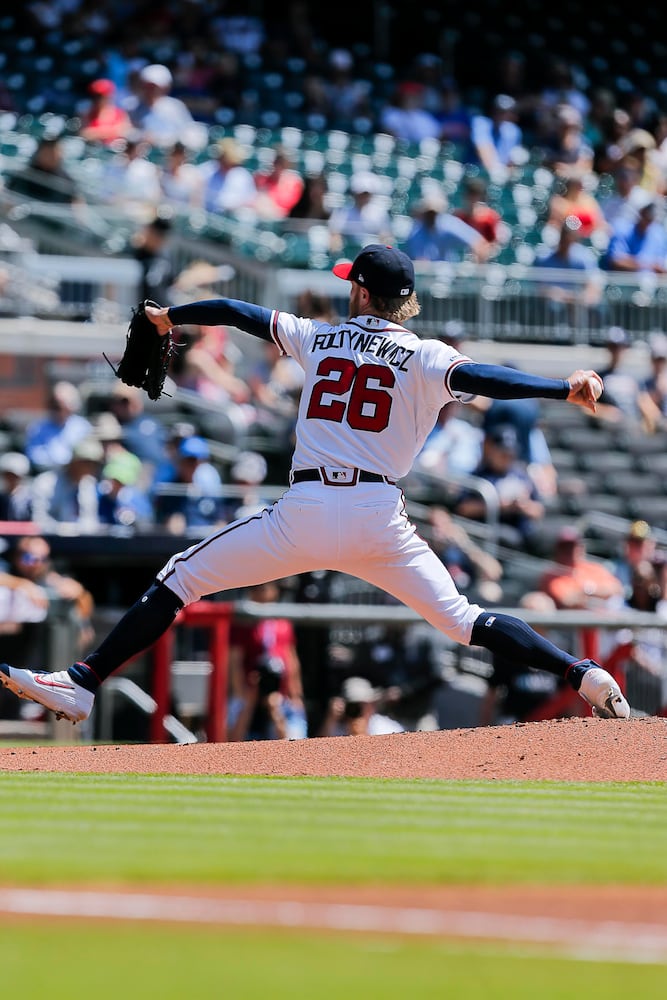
<point x="145" y="360"/>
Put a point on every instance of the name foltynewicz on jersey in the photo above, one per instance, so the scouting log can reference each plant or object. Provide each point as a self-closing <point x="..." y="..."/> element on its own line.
<point x="374" y="343"/>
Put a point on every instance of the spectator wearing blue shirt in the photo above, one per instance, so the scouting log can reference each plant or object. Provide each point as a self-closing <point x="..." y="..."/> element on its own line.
<point x="567" y="294"/>
<point x="497" y="138"/>
<point x="638" y="245"/>
<point x="50" y="440"/>
<point x="437" y="234"/>
<point x="180" y="502"/>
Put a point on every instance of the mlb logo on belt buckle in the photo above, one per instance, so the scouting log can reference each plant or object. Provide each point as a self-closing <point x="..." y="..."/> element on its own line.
<point x="339" y="477"/>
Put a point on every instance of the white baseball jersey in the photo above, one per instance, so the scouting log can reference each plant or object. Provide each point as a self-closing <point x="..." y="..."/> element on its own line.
<point x="371" y="394"/>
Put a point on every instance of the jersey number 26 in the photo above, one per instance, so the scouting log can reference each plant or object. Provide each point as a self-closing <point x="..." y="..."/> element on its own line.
<point x="367" y="408"/>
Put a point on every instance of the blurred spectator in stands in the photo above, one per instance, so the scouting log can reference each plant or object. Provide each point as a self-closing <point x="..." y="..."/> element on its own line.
<point x="525" y="416"/>
<point x="365" y="218"/>
<point x="206" y="474"/>
<point x="265" y="676"/>
<point x="609" y="151"/>
<point x="355" y="712"/>
<point x="142" y="434"/>
<point x="347" y="94"/>
<point x="205" y="362"/>
<point x="122" y="501"/>
<point x="476" y="212"/>
<point x="453" y="446"/>
<point x="68" y="494"/>
<point x="623" y="400"/>
<point x="227" y="185"/>
<point x="428" y="69"/>
<point x="131" y="181"/>
<point x="579" y="298"/>
<point x="578" y="582"/>
<point x="247" y="472"/>
<point x="162" y="118"/>
<point x="150" y="248"/>
<point x="178" y="501"/>
<point x="102" y="119"/>
<point x="638" y="546"/>
<point x="15" y="492"/>
<point x="279" y="186"/>
<point x="516" y="693"/>
<point x="570" y="197"/>
<point x="454" y="119"/>
<point x="597" y="121"/>
<point x="655" y="384"/>
<point x="565" y="149"/>
<point x="627" y="195"/>
<point x="563" y="86"/>
<point x="659" y="155"/>
<point x="30" y="560"/>
<point x="641" y="145"/>
<point x="180" y="180"/>
<point x="317" y="306"/>
<point x="406" y="117"/>
<point x="497" y="138"/>
<point x="49" y="440"/>
<point x="437" y="234"/>
<point x="520" y="505"/>
<point x="638" y="245"/>
<point x="313" y="204"/>
<point x="471" y="567"/>
<point x="45" y="177"/>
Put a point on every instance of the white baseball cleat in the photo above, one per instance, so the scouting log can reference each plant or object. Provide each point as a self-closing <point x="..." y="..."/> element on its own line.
<point x="55" y="691"/>
<point x="603" y="694"/>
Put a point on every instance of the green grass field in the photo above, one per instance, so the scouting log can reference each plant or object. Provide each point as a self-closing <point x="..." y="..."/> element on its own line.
<point x="218" y="830"/>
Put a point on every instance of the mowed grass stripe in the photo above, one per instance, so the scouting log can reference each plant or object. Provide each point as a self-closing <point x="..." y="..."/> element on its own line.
<point x="231" y="830"/>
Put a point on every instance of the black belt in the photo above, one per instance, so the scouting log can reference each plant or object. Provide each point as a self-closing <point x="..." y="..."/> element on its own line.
<point x="320" y="476"/>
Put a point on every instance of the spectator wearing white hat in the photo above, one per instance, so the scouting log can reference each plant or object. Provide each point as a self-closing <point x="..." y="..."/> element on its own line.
<point x="15" y="494"/>
<point x="437" y="234"/>
<point x="354" y="712"/>
<point x="162" y="118"/>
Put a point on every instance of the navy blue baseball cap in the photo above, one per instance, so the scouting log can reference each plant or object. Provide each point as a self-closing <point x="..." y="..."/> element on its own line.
<point x="383" y="270"/>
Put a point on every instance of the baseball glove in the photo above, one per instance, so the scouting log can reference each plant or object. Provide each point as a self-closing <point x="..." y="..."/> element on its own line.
<point x="146" y="357"/>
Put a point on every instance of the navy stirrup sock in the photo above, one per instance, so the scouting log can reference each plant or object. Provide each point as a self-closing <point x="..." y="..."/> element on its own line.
<point x="138" y="629"/>
<point x="515" y="640"/>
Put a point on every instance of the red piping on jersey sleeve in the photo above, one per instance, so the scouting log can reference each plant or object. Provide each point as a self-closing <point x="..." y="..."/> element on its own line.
<point x="457" y="361"/>
<point x="274" y="332"/>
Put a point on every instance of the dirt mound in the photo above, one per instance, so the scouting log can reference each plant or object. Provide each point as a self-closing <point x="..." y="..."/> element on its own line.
<point x="560" y="750"/>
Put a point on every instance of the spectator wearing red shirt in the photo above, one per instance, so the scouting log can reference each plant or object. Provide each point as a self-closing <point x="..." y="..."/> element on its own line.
<point x="477" y="212"/>
<point x="266" y="690"/>
<point x="278" y="188"/>
<point x="104" y="120"/>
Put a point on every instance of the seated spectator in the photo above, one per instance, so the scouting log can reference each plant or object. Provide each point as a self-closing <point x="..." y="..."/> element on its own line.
<point x="248" y="472"/>
<point x="103" y="120"/>
<point x="265" y="673"/>
<point x="497" y="138"/>
<point x="476" y="212"/>
<point x="355" y="712"/>
<point x="627" y="194"/>
<point x="608" y="152"/>
<point x="405" y="116"/>
<point x="45" y="176"/>
<point x="471" y="567"/>
<point x="453" y="446"/>
<point x="15" y="491"/>
<point x="131" y="181"/>
<point x="638" y="245"/>
<point x="640" y="144"/>
<point x="524" y="416"/>
<point x="180" y="179"/>
<point x="49" y="440"/>
<point x="345" y="92"/>
<point x="623" y="399"/>
<point x="455" y="120"/>
<point x="566" y="150"/>
<point x="179" y="502"/>
<point x="227" y="185"/>
<point x="580" y="583"/>
<point x="162" y="118"/>
<point x="638" y="546"/>
<point x="520" y="505"/>
<point x="570" y="199"/>
<point x="279" y="187"/>
<point x="313" y="205"/>
<point x="437" y="234"/>
<point x="206" y="476"/>
<point x="122" y="501"/>
<point x="142" y="434"/>
<point x="30" y="560"/>
<point x="655" y="384"/>
<point x="364" y="219"/>
<point x="567" y="299"/>
<point x="68" y="494"/>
